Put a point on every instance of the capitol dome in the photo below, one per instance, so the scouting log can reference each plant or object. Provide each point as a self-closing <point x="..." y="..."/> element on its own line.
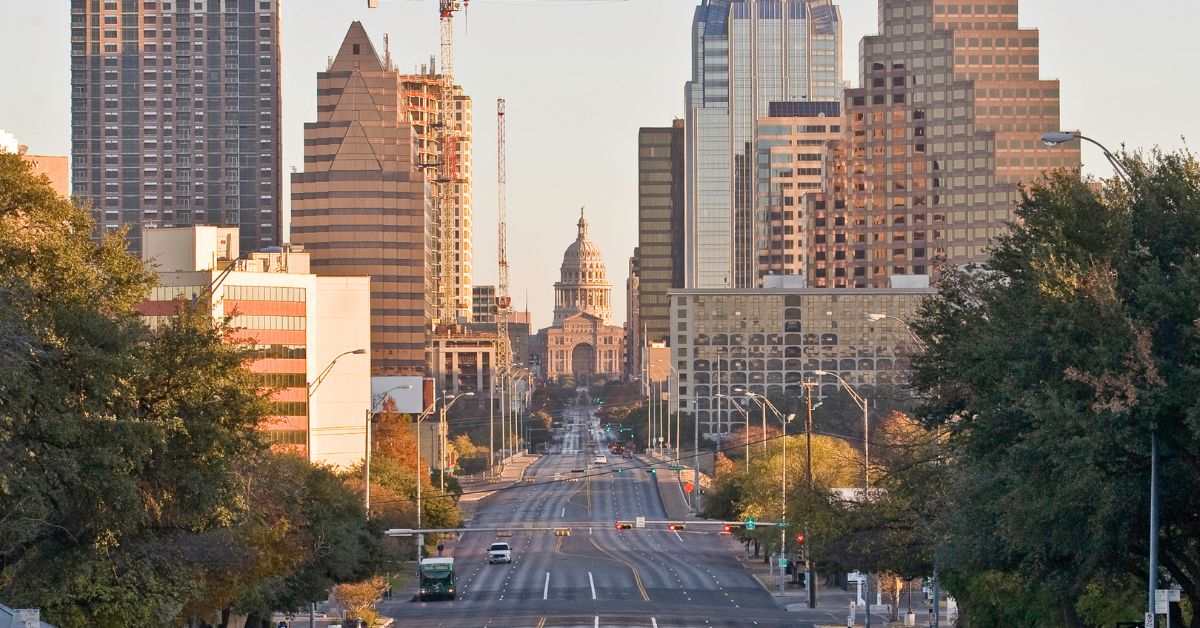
<point x="583" y="280"/>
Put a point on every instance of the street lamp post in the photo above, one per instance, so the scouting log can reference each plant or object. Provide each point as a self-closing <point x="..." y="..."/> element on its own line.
<point x="1051" y="140"/>
<point x="311" y="389"/>
<point x="765" y="403"/>
<point x="442" y="435"/>
<point x="862" y="403"/>
<point x="376" y="407"/>
<point x="745" y="415"/>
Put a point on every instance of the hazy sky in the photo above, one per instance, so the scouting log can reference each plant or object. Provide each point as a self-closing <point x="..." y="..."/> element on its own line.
<point x="580" y="77"/>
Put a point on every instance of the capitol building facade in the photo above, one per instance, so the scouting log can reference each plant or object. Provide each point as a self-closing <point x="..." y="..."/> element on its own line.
<point x="582" y="342"/>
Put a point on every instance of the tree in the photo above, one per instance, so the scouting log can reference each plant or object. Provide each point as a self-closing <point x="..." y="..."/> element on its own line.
<point x="1048" y="367"/>
<point x="359" y="598"/>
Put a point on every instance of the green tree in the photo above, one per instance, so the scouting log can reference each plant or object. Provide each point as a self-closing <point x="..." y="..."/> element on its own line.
<point x="1048" y="367"/>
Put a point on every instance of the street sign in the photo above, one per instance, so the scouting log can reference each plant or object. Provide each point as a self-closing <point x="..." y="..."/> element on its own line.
<point x="1162" y="604"/>
<point x="688" y="487"/>
<point x="782" y="562"/>
<point x="781" y="524"/>
<point x="749" y="523"/>
<point x="674" y="467"/>
<point x="639" y="522"/>
<point x="1149" y="623"/>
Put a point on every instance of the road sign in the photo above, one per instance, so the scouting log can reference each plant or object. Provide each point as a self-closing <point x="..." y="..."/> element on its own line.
<point x="1149" y="623"/>
<point x="639" y="522"/>
<point x="781" y="524"/>
<point x="782" y="562"/>
<point x="674" y="467"/>
<point x="688" y="487"/>
<point x="1162" y="605"/>
<point x="749" y="523"/>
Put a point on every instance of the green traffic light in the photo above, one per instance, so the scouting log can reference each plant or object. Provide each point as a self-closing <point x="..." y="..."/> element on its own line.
<point x="653" y="471"/>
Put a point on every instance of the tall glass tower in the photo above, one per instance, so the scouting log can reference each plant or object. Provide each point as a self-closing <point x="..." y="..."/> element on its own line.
<point x="746" y="54"/>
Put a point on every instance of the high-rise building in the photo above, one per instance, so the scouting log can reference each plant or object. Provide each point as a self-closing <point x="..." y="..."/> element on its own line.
<point x="422" y="101"/>
<point x="746" y="54"/>
<point x="175" y="115"/>
<point x="484" y="307"/>
<point x="946" y="122"/>
<point x="361" y="205"/>
<point x="792" y="155"/>
<point x="633" y="316"/>
<point x="660" y="227"/>
<point x="297" y="322"/>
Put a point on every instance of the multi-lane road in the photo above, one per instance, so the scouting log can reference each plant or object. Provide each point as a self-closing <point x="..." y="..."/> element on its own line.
<point x="597" y="576"/>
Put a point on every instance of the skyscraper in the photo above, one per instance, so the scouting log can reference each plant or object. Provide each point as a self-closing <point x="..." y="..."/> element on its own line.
<point x="746" y="54"/>
<point x="946" y="122"/>
<point x="660" y="228"/>
<point x="361" y="205"/>
<point x="175" y="114"/>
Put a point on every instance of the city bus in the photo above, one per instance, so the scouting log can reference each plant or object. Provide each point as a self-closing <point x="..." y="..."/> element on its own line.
<point x="437" y="579"/>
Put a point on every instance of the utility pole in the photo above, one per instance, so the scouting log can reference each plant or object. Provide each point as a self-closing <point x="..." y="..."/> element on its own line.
<point x="808" y="425"/>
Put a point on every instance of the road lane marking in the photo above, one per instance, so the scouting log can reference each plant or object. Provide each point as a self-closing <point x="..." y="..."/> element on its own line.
<point x="592" y="584"/>
<point x="541" y="622"/>
<point x="564" y="512"/>
<point x="637" y="578"/>
<point x="678" y="537"/>
<point x="654" y="622"/>
<point x="546" y="589"/>
<point x="597" y="623"/>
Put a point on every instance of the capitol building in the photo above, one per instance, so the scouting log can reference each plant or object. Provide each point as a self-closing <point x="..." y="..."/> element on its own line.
<point x="582" y="342"/>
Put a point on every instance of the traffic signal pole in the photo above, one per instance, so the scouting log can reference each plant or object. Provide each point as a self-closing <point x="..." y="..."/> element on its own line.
<point x="812" y="582"/>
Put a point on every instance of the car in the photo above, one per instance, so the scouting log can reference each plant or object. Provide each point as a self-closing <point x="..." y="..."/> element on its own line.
<point x="627" y="454"/>
<point x="499" y="553"/>
<point x="601" y="460"/>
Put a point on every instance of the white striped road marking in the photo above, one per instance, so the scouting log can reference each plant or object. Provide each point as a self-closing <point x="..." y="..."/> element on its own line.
<point x="546" y="589"/>
<point x="597" y="624"/>
<point x="654" y="622"/>
<point x="592" y="583"/>
<point x="678" y="537"/>
<point x="564" y="512"/>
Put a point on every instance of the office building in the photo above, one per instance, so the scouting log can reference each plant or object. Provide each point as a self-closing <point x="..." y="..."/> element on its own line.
<point x="633" y="317"/>
<point x="946" y="122"/>
<point x="463" y="361"/>
<point x="792" y="155"/>
<point x="361" y="205"/>
<point x="483" y="308"/>
<point x="746" y="54"/>
<point x="770" y="340"/>
<point x="422" y="101"/>
<point x="175" y="115"/>
<point x="298" y="323"/>
<point x="660" y="228"/>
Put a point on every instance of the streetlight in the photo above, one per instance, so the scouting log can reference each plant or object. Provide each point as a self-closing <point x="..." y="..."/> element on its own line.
<point x="763" y="403"/>
<point x="903" y="323"/>
<point x="383" y="397"/>
<point x="746" y="415"/>
<point x="862" y="403"/>
<point x="311" y="389"/>
<point x="442" y="435"/>
<point x="1052" y="140"/>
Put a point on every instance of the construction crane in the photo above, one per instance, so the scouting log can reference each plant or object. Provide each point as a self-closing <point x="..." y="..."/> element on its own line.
<point x="503" y="302"/>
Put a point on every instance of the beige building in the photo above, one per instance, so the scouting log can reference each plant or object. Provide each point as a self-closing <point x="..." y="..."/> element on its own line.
<point x="771" y="340"/>
<point x="422" y="101"/>
<point x="582" y="342"/>
<point x="792" y="151"/>
<point x="463" y="361"/>
<point x="947" y="121"/>
<point x="361" y="205"/>
<point x="299" y="323"/>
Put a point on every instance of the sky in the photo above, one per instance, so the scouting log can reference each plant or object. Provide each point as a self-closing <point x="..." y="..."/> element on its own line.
<point x="581" y="76"/>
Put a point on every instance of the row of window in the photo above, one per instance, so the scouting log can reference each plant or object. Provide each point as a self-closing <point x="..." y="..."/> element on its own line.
<point x="279" y="352"/>
<point x="264" y="293"/>
<point x="282" y="380"/>
<point x="289" y="408"/>
<point x="287" y="437"/>
<point x="284" y="323"/>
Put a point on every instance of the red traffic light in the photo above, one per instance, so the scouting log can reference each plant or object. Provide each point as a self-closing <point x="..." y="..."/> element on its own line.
<point x="622" y="525"/>
<point x="726" y="528"/>
<point x="675" y="527"/>
<point x="799" y="538"/>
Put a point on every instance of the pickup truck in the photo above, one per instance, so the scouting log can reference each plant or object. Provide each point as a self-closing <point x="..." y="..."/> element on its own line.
<point x="499" y="553"/>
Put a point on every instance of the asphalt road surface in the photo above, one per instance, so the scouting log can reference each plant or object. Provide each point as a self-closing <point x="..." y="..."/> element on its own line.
<point x="597" y="576"/>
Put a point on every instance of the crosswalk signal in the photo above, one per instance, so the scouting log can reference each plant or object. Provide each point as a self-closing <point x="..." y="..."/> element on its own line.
<point x="675" y="527"/>
<point x="624" y="525"/>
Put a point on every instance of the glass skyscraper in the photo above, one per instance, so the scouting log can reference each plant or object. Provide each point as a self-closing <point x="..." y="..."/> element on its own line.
<point x="746" y="54"/>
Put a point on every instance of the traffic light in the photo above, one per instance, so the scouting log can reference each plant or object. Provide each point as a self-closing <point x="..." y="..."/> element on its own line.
<point x="562" y="532"/>
<point x="624" y="525"/>
<point x="726" y="529"/>
<point x="620" y="469"/>
<point x="799" y="538"/>
<point x="675" y="527"/>
<point x="653" y="471"/>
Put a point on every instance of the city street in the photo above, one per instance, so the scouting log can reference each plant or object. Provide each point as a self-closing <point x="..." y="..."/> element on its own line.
<point x="597" y="576"/>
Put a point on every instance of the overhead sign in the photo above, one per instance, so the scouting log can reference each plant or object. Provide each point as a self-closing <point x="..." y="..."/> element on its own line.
<point x="749" y="523"/>
<point x="639" y="522"/>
